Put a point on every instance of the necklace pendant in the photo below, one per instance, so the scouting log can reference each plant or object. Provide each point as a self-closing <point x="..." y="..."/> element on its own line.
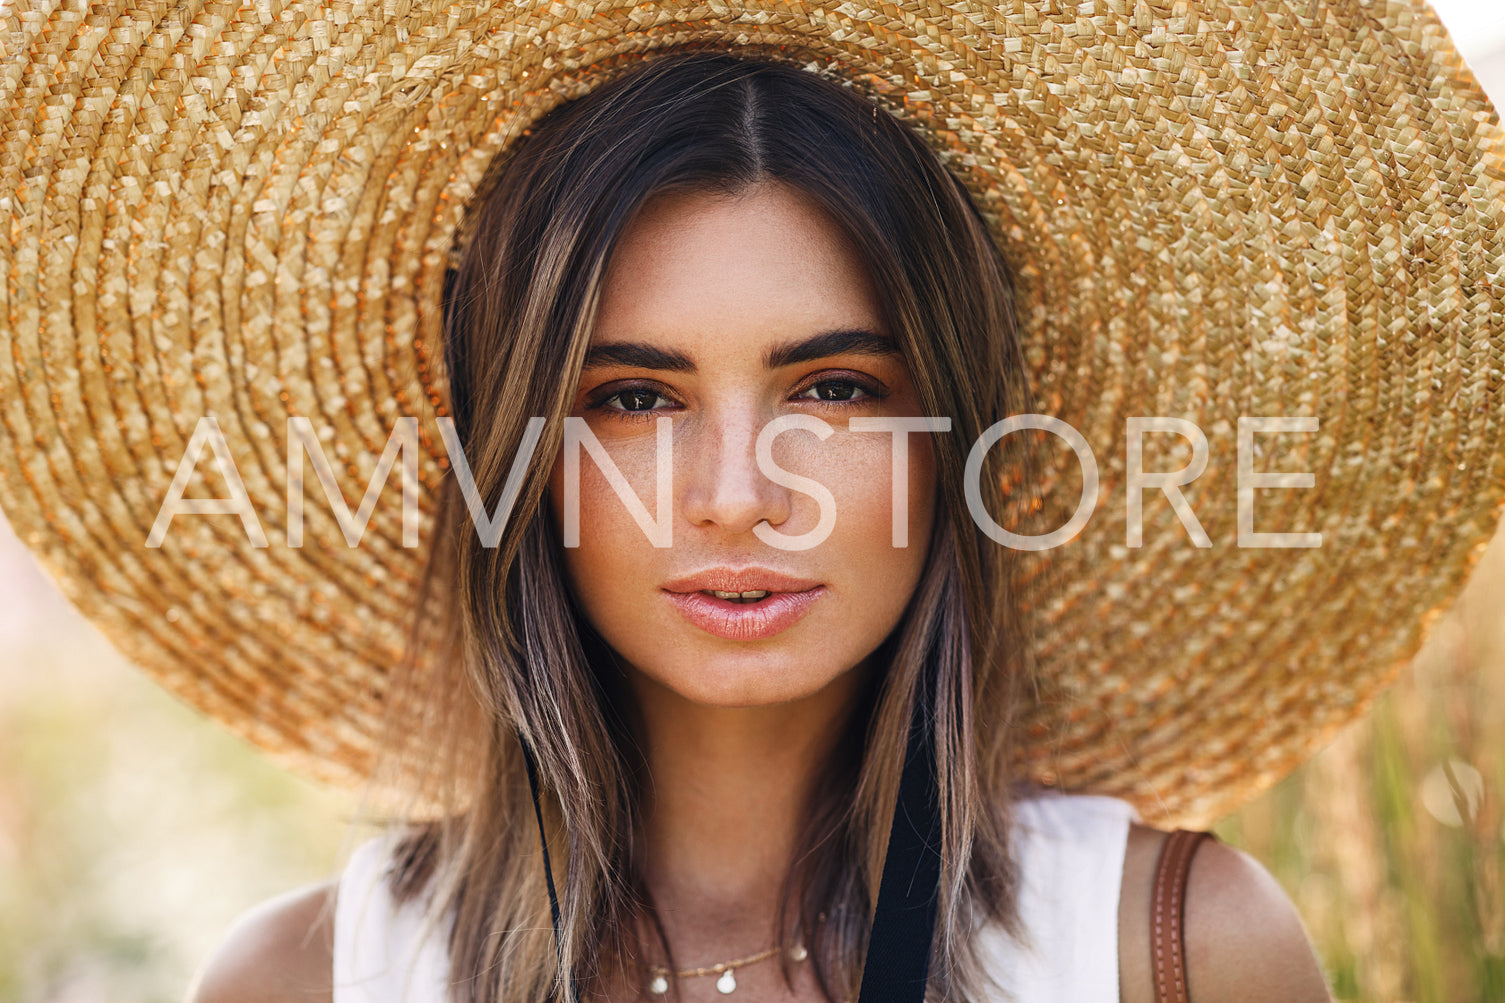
<point x="727" y="984"/>
<point x="659" y="986"/>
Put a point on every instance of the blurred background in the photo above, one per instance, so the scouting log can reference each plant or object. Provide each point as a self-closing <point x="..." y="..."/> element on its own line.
<point x="132" y="831"/>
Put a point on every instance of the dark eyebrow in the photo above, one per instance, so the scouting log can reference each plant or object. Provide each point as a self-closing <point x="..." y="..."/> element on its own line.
<point x="637" y="355"/>
<point x="854" y="341"/>
<point x="845" y="341"/>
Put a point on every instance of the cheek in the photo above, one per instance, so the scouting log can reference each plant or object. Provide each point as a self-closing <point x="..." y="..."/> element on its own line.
<point x="860" y="475"/>
<point x="614" y="552"/>
<point x="602" y="511"/>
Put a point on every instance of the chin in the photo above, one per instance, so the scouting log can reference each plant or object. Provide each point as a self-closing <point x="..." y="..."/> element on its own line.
<point x="728" y="680"/>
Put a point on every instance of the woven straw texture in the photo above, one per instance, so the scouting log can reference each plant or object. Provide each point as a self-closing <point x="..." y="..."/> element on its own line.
<point x="1213" y="210"/>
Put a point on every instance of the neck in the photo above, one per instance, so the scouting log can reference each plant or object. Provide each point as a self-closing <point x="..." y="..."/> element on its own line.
<point x="725" y="806"/>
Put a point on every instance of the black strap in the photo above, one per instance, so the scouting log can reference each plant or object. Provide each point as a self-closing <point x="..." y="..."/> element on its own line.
<point x="898" y="953"/>
<point x="572" y="991"/>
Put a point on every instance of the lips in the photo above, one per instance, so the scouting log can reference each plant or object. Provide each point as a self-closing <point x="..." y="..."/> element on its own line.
<point x="788" y="600"/>
<point x="739" y="580"/>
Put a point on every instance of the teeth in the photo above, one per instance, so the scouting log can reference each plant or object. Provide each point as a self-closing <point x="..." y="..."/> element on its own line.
<point x="752" y="596"/>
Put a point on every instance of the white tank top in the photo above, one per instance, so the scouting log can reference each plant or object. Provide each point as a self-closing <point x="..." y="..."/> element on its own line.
<point x="1071" y="853"/>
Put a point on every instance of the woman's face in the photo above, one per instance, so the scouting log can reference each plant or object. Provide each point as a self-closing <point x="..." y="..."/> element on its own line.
<point x="723" y="314"/>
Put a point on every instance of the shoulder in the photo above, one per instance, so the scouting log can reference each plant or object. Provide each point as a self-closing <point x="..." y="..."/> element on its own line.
<point x="1244" y="938"/>
<point x="279" y="950"/>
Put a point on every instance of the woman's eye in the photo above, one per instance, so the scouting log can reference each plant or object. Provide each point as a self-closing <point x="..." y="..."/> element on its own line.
<point x="836" y="392"/>
<point x="635" y="400"/>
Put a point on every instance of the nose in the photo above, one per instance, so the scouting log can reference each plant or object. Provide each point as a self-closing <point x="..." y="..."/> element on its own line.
<point x="722" y="485"/>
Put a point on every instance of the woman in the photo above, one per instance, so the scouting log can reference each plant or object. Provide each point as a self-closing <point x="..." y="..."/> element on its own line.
<point x="715" y="243"/>
<point x="1277" y="219"/>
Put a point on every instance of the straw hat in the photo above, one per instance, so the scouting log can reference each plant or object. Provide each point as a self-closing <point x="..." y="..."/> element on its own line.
<point x="1213" y="209"/>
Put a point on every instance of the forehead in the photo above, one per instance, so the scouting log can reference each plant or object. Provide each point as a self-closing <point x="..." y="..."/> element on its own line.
<point x="714" y="271"/>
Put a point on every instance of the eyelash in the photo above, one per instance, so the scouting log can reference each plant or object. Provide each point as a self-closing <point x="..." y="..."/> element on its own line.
<point x="870" y="391"/>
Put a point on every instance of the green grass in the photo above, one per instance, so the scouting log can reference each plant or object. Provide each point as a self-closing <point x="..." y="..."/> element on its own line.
<point x="1392" y="854"/>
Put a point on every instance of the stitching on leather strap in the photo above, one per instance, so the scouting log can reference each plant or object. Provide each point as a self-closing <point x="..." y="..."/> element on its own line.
<point x="1168" y="905"/>
<point x="1163" y="874"/>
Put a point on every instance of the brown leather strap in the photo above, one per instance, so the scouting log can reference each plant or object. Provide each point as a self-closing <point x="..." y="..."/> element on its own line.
<point x="1167" y="912"/>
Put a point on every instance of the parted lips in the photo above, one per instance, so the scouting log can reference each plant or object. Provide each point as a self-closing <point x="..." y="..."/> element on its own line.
<point x="1214" y="211"/>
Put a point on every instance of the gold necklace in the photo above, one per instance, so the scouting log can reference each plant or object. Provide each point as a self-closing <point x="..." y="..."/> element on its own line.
<point x="726" y="983"/>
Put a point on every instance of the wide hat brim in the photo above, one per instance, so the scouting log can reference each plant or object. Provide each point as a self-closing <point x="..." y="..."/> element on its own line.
<point x="1214" y="211"/>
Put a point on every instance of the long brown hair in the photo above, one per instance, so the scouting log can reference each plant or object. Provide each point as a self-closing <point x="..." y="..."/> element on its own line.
<point x="523" y="663"/>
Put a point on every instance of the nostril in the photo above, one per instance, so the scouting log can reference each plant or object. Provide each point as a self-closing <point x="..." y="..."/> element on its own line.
<point x="724" y="486"/>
